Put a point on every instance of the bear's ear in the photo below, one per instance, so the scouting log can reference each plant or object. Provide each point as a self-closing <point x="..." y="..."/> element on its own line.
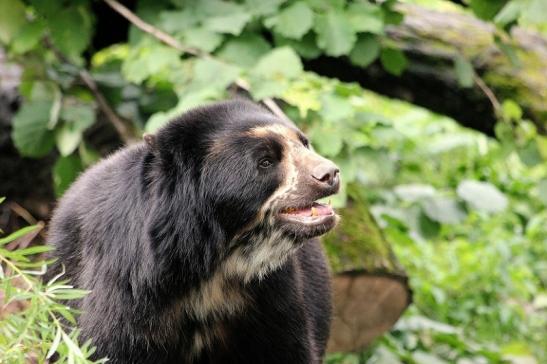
<point x="150" y="141"/>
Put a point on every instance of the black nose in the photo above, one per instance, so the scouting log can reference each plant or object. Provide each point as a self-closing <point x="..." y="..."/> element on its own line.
<point x="327" y="173"/>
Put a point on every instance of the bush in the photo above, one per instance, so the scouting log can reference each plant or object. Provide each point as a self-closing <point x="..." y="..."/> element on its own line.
<point x="36" y="323"/>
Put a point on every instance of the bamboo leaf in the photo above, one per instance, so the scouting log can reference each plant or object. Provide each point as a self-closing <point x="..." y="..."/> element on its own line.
<point x="17" y="234"/>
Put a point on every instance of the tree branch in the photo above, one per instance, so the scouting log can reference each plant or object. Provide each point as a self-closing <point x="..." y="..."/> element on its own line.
<point x="489" y="94"/>
<point x="174" y="43"/>
<point x="150" y="29"/>
<point x="121" y="125"/>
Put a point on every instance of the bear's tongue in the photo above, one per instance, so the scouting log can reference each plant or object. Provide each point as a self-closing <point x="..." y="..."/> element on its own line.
<point x="316" y="209"/>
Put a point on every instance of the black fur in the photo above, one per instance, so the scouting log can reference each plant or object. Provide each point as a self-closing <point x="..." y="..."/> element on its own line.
<point x="145" y="229"/>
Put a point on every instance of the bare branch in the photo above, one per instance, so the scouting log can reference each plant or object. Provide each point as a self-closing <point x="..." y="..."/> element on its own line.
<point x="489" y="94"/>
<point x="174" y="43"/>
<point x="121" y="125"/>
<point x="152" y="30"/>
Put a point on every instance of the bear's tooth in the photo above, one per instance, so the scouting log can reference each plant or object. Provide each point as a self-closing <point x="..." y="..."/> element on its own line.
<point x="313" y="211"/>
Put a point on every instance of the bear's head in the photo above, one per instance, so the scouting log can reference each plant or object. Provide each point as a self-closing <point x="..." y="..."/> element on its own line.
<point x="247" y="184"/>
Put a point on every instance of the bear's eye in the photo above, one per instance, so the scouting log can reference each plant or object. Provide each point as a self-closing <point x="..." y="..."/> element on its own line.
<point x="265" y="163"/>
<point x="304" y="141"/>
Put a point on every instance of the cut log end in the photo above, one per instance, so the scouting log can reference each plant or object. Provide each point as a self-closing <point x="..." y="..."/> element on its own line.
<point x="365" y="306"/>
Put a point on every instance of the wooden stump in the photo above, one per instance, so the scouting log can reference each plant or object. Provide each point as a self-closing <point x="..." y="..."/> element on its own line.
<point x="370" y="287"/>
<point x="365" y="307"/>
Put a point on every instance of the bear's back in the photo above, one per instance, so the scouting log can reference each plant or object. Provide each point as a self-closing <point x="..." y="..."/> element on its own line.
<point x="99" y="215"/>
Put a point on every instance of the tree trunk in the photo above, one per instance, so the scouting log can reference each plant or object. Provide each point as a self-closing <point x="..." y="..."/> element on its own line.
<point x="370" y="287"/>
<point x="431" y="41"/>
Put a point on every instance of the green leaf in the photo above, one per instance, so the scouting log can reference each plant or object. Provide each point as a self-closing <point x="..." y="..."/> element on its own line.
<point x="509" y="13"/>
<point x="12" y="18"/>
<point x="214" y="74"/>
<point x="244" y="50"/>
<point x="279" y="63"/>
<point x="335" y="34"/>
<point x="160" y="57"/>
<point x="327" y="138"/>
<point x="510" y="52"/>
<point x="423" y="357"/>
<point x="414" y="192"/>
<point x="534" y="12"/>
<point x="486" y="9"/>
<point x="67" y="314"/>
<point x="28" y="37"/>
<point x="17" y="234"/>
<point x="393" y="60"/>
<point x="65" y="171"/>
<point x="263" y="8"/>
<point x="54" y="344"/>
<point x="176" y="21"/>
<point x="292" y="22"/>
<point x="79" y="113"/>
<point x="529" y="154"/>
<point x="71" y="30"/>
<point x="542" y="191"/>
<point x="201" y="38"/>
<point x="464" y="71"/>
<point x="511" y="110"/>
<point x="366" y="17"/>
<point x="30" y="129"/>
<point x="42" y="91"/>
<point x="305" y="47"/>
<point x="34" y="250"/>
<point x="482" y="196"/>
<point x="376" y="166"/>
<point x="78" y="117"/>
<point x="88" y="155"/>
<point x="46" y="8"/>
<point x="147" y="59"/>
<point x="69" y="294"/>
<point x="348" y="167"/>
<point x="229" y="23"/>
<point x="541" y="142"/>
<point x="335" y="108"/>
<point x="366" y="50"/>
<point x="393" y="17"/>
<point x="443" y="209"/>
<point x="271" y="74"/>
<point x="427" y="227"/>
<point x="262" y="88"/>
<point x="67" y="139"/>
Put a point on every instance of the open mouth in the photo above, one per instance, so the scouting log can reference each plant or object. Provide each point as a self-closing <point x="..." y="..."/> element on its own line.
<point x="308" y="221"/>
<point x="309" y="213"/>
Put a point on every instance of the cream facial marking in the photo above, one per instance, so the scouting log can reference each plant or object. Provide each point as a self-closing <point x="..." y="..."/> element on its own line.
<point x="292" y="148"/>
<point x="285" y="132"/>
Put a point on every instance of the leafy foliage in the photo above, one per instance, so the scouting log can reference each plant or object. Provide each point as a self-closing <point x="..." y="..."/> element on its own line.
<point x="41" y="328"/>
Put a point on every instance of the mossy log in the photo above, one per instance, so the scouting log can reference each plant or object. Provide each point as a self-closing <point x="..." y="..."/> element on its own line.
<point x="439" y="37"/>
<point x="370" y="287"/>
<point x="432" y="40"/>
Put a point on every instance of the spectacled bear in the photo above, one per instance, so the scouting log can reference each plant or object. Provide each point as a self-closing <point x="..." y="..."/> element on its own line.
<point x="200" y="245"/>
